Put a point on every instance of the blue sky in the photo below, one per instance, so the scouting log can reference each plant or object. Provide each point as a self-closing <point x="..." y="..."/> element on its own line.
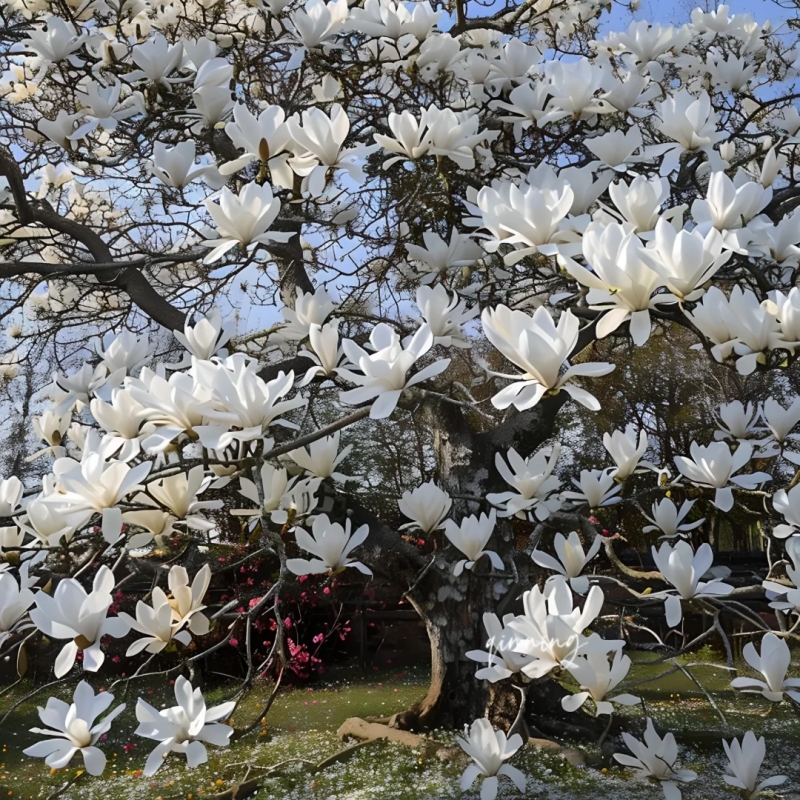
<point x="677" y="12"/>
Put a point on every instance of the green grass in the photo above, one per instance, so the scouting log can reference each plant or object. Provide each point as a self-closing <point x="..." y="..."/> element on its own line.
<point x="302" y="725"/>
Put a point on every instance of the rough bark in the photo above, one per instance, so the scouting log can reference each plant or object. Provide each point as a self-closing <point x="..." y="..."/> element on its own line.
<point x="453" y="608"/>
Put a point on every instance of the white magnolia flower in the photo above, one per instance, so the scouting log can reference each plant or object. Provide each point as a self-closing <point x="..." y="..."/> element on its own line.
<point x="325" y="352"/>
<point x="539" y="348"/>
<point x="426" y="507"/>
<point x="737" y="421"/>
<point x="173" y="407"/>
<point x="489" y="748"/>
<point x="387" y="19"/>
<point x="668" y="519"/>
<point x="316" y="26"/>
<point x="740" y="326"/>
<point x="647" y="43"/>
<point x="122" y="418"/>
<point x="623" y="279"/>
<point x="456" y="135"/>
<point x="61" y="130"/>
<point x="552" y="629"/>
<point x="72" y="729"/>
<point x="790" y="594"/>
<point x="629" y="91"/>
<point x="787" y="504"/>
<point x="212" y="95"/>
<point x="174" y="166"/>
<point x="212" y="83"/>
<point x="714" y="466"/>
<point x="728" y="207"/>
<point x="596" y="677"/>
<point x="298" y="502"/>
<point x="439" y="257"/>
<point x="440" y="132"/>
<point x="124" y="351"/>
<point x="445" y="314"/>
<point x="244" y="400"/>
<point x="745" y="760"/>
<point x="319" y="141"/>
<point x="718" y="21"/>
<point x="78" y="386"/>
<point x="56" y="41"/>
<point x="156" y="524"/>
<point x="713" y="321"/>
<point x="573" y="87"/>
<point x="331" y="544"/>
<point x="502" y="659"/>
<point x="265" y="138"/>
<point x="101" y="107"/>
<point x="385" y="372"/>
<point x="656" y="758"/>
<point x="178" y="494"/>
<point x="786" y="307"/>
<point x="274" y="485"/>
<point x="437" y="54"/>
<point x="198" y="51"/>
<point x="684" y="568"/>
<point x="157" y="623"/>
<point x="10" y="495"/>
<point x="95" y="485"/>
<point x="187" y="601"/>
<point x="11" y="537"/>
<point x="185" y="728"/>
<point x="533" y="480"/>
<point x="597" y="488"/>
<point x="778" y="243"/>
<point x="45" y="521"/>
<point x="530" y="218"/>
<point x="309" y="309"/>
<point x="243" y="220"/>
<point x="685" y="260"/>
<point x="15" y="600"/>
<point x="157" y="59"/>
<point x="640" y="202"/>
<point x="691" y="123"/>
<point x="471" y="537"/>
<point x="81" y="616"/>
<point x="773" y="663"/>
<point x="626" y="451"/>
<point x="781" y="421"/>
<point x="410" y="140"/>
<point x="571" y="559"/>
<point x="53" y="176"/>
<point x="616" y="147"/>
<point x="322" y="457"/>
<point x="206" y="336"/>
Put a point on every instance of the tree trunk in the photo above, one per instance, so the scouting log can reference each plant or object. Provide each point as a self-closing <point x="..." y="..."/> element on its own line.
<point x="451" y="607"/>
<point x="452" y="610"/>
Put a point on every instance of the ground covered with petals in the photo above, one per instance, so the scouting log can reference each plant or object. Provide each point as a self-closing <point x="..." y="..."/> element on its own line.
<point x="303" y="724"/>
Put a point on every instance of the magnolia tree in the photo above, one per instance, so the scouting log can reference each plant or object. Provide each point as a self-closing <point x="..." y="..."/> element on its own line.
<point x="415" y="211"/>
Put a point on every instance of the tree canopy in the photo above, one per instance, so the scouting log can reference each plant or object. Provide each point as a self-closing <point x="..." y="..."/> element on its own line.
<point x="426" y="292"/>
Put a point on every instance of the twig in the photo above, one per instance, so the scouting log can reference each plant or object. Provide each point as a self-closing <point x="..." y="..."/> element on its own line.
<point x="270" y="700"/>
<point x="519" y="721"/>
<point x="70" y="782"/>
<point x="702" y="689"/>
<point x="27" y="697"/>
<point x="604" y="734"/>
